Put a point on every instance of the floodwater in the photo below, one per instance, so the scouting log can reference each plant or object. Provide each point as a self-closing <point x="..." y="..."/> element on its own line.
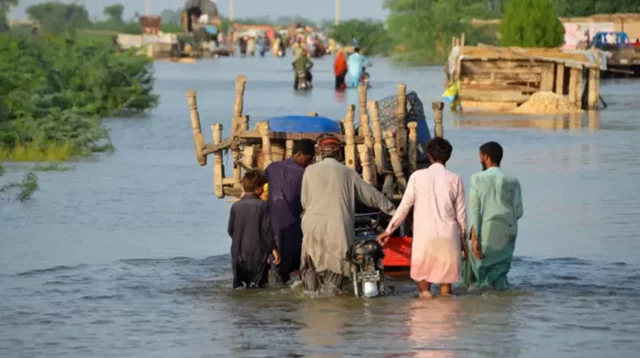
<point x="126" y="255"/>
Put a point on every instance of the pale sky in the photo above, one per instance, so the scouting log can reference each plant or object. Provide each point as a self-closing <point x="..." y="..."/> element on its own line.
<point x="312" y="9"/>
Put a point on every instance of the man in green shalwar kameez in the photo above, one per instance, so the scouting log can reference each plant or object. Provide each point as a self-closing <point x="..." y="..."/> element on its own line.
<point x="495" y="207"/>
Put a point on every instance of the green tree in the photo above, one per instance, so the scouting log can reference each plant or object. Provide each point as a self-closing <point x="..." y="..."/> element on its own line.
<point x="57" y="17"/>
<point x="371" y="35"/>
<point x="53" y="93"/>
<point x="171" y="16"/>
<point x="590" y="7"/>
<point x="288" y="21"/>
<point x="531" y="23"/>
<point x="5" y="5"/>
<point x="114" y="13"/>
<point x="422" y="29"/>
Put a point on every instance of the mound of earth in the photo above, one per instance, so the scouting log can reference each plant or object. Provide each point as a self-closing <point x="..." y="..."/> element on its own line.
<point x="547" y="103"/>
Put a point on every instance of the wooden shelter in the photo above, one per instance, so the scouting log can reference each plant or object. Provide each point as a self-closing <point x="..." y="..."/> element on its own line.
<point x="369" y="150"/>
<point x="495" y="78"/>
<point x="151" y="25"/>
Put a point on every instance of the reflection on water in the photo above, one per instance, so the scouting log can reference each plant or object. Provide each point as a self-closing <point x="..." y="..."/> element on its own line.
<point x="438" y="326"/>
<point x="321" y="327"/>
<point x="434" y="325"/>
<point x="573" y="159"/>
<point x="572" y="122"/>
<point x="127" y="254"/>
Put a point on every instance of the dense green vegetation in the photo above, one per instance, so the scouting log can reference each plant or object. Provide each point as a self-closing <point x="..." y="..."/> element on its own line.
<point x="54" y="92"/>
<point x="24" y="188"/>
<point x="371" y="35"/>
<point x="531" y="23"/>
<point x="590" y="7"/>
<point x="57" y="17"/>
<point x="569" y="8"/>
<point x="114" y="13"/>
<point x="4" y="8"/>
<point x="422" y="29"/>
<point x="54" y="88"/>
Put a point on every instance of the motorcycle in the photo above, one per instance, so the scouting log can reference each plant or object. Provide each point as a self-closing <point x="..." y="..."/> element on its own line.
<point x="364" y="77"/>
<point x="303" y="84"/>
<point x="365" y="257"/>
<point x="367" y="270"/>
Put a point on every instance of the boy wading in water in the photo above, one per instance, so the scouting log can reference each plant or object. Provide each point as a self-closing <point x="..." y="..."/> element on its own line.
<point x="439" y="221"/>
<point x="251" y="235"/>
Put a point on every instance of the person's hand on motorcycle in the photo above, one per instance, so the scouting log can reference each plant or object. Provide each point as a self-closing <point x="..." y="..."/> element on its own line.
<point x="383" y="238"/>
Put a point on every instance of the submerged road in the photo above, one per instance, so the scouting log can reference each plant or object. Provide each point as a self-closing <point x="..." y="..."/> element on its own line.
<point x="126" y="255"/>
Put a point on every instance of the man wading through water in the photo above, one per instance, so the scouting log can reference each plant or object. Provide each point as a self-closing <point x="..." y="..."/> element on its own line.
<point x="495" y="206"/>
<point x="285" y="183"/>
<point x="329" y="192"/>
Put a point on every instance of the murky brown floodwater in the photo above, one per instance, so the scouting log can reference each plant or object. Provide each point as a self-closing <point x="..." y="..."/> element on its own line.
<point x="126" y="255"/>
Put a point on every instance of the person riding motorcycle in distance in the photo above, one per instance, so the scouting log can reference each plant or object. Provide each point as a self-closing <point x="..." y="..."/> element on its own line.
<point x="302" y="64"/>
<point x="355" y="67"/>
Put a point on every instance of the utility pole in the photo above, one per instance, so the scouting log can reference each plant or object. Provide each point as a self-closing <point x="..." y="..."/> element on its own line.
<point x="230" y="10"/>
<point x="147" y="7"/>
<point x="337" y="12"/>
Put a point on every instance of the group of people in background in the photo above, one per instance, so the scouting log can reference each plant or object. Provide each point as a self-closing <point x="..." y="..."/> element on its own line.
<point x="250" y="45"/>
<point x="306" y="223"/>
<point x="349" y="71"/>
<point x="258" y="42"/>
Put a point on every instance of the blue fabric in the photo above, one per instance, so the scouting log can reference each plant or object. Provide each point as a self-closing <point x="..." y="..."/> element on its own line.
<point x="423" y="135"/>
<point x="211" y="29"/>
<point x="449" y="99"/>
<point x="304" y="124"/>
<point x="355" y="63"/>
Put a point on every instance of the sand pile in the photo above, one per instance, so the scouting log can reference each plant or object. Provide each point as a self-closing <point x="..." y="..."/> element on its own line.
<point x="547" y="103"/>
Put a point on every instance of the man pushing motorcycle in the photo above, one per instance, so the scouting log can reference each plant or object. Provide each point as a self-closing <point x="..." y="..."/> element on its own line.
<point x="302" y="66"/>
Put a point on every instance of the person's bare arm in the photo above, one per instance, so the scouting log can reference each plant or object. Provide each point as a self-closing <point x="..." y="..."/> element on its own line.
<point x="370" y="196"/>
<point x="408" y="199"/>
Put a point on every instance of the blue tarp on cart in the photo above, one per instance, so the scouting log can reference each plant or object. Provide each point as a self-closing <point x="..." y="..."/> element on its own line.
<point x="304" y="124"/>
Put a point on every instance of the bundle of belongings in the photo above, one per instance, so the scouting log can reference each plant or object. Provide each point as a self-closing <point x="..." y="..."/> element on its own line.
<point x="415" y="113"/>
